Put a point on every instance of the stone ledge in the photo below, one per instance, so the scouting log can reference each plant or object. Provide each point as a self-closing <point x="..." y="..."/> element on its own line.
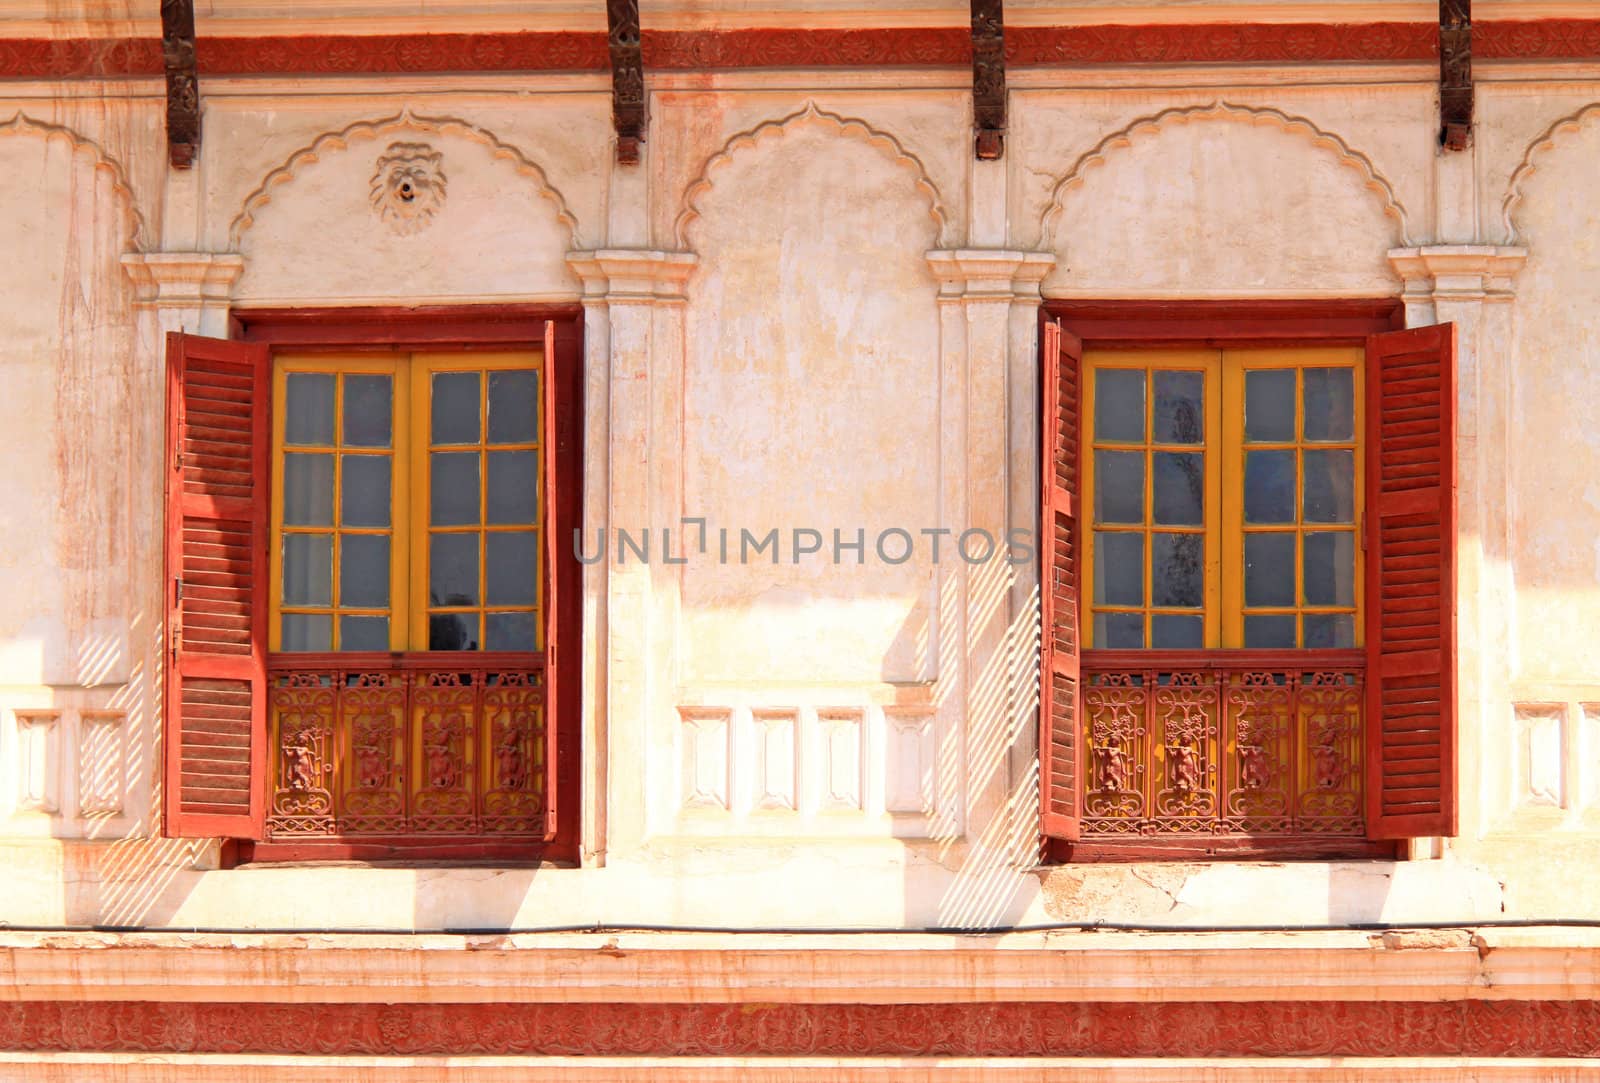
<point x="710" y="968"/>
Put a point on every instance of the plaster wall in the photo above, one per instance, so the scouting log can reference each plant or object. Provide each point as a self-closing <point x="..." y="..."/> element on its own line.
<point x="829" y="324"/>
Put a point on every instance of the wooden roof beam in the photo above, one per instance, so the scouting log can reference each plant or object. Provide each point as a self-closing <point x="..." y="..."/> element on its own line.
<point x="1455" y="74"/>
<point x="183" y="82"/>
<point x="989" y="78"/>
<point x="627" y="78"/>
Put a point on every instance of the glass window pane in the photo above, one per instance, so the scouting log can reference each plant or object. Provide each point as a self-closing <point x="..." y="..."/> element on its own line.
<point x="511" y="632"/>
<point x="513" y="568"/>
<point x="452" y="631"/>
<point x="1330" y="568"/>
<point x="308" y="569"/>
<point x="1177" y="572"/>
<point x="1119" y="405"/>
<point x="1179" y="407"/>
<point x="368" y="410"/>
<point x="455" y="407"/>
<point x="363" y="633"/>
<point x="513" y="487"/>
<point x="365" y="490"/>
<point x="1330" y="495"/>
<point x="513" y="407"/>
<point x="1177" y="631"/>
<point x="308" y="409"/>
<point x="1330" y="630"/>
<point x="453" y="569"/>
<point x="1269" y="569"/>
<point x="1269" y="630"/>
<point x="1179" y="482"/>
<point x="307" y="490"/>
<point x="1118" y="569"/>
<point x="1118" y="631"/>
<point x="364" y="571"/>
<point x="307" y="632"/>
<point x="1269" y="486"/>
<point x="1119" y="486"/>
<point x="1330" y="404"/>
<point x="1269" y="405"/>
<point x="453" y="488"/>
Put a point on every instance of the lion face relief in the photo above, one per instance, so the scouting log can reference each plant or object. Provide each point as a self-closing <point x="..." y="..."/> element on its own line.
<point x="409" y="186"/>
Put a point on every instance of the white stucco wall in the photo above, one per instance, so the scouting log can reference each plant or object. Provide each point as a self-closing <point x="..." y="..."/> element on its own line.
<point x="799" y="744"/>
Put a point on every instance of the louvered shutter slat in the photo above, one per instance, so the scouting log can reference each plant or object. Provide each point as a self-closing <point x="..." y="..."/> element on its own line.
<point x="1411" y="532"/>
<point x="216" y="576"/>
<point x="1059" y="700"/>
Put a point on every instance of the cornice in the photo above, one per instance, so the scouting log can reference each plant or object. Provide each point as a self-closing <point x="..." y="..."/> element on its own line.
<point x="993" y="274"/>
<point x="651" y="276"/>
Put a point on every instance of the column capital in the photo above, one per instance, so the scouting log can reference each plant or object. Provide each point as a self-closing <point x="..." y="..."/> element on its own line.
<point x="637" y="275"/>
<point x="989" y="274"/>
<point x="1458" y="272"/>
<point x="183" y="279"/>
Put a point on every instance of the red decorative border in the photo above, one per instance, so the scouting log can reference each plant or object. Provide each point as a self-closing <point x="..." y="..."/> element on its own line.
<point x="1463" y="1028"/>
<point x="695" y="50"/>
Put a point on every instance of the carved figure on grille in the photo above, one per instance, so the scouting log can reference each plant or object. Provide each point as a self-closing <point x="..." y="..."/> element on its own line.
<point x="300" y="767"/>
<point x="509" y="760"/>
<point x="371" y="769"/>
<point x="1185" y="764"/>
<point x="1255" y="770"/>
<point x="1113" y="769"/>
<point x="1327" y="765"/>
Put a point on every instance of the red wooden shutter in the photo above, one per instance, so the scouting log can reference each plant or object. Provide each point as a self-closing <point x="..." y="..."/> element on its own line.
<point x="1411" y="538"/>
<point x="1059" y="698"/>
<point x="218" y="402"/>
<point x="560" y="362"/>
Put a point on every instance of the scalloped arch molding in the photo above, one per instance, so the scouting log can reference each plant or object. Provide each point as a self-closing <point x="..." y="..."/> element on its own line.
<point x="1529" y="165"/>
<point x="808" y="115"/>
<point x="1154" y="123"/>
<point x="22" y="124"/>
<point x="362" y="130"/>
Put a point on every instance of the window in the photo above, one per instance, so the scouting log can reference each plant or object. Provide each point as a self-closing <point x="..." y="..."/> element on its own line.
<point x="1247" y="591"/>
<point x="367" y="618"/>
<point x="1223" y="498"/>
<point x="406" y="503"/>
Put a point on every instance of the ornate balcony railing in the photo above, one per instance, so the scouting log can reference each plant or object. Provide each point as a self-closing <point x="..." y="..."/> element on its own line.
<point x="1223" y="743"/>
<point x="407" y="747"/>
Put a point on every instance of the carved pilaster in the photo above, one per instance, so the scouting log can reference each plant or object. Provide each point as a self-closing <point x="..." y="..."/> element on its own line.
<point x="190" y="291"/>
<point x="1453" y="273"/>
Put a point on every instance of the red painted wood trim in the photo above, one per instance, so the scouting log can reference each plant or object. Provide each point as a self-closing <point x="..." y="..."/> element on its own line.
<point x="1228" y="323"/>
<point x="693" y="50"/>
<point x="1119" y="660"/>
<point x="454" y="327"/>
<point x="1476" y="1028"/>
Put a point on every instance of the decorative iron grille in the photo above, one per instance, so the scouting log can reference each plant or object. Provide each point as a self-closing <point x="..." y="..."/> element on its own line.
<point x="1249" y="745"/>
<point x="415" y="746"/>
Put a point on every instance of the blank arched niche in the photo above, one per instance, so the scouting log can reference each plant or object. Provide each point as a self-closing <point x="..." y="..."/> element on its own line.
<point x="1222" y="200"/>
<point x="811" y="398"/>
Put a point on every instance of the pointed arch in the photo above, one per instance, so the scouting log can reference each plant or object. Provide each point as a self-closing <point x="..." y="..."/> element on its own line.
<point x="363" y="130"/>
<point x="1530" y="164"/>
<point x="22" y="124"/>
<point x="1154" y="123"/>
<point x="810" y="114"/>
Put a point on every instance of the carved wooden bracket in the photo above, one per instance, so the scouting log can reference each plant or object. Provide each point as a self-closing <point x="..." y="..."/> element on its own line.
<point x="627" y="78"/>
<point x="183" y="82"/>
<point x="1455" y="74"/>
<point x="989" y="78"/>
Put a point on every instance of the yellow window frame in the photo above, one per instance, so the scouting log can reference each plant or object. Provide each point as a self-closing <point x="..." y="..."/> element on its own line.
<point x="1224" y="448"/>
<point x="409" y="479"/>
